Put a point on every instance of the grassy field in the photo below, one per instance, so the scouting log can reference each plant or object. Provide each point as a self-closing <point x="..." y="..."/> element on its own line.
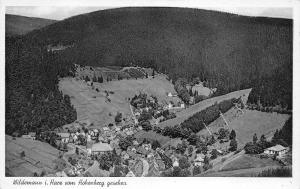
<point x="251" y="172"/>
<point x="245" y="161"/>
<point x="239" y="164"/>
<point x="186" y="113"/>
<point x="245" y="125"/>
<point x="101" y="110"/>
<point x="38" y="156"/>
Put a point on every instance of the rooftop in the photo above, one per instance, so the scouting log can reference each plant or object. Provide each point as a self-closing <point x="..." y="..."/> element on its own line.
<point x="63" y="135"/>
<point x="277" y="148"/>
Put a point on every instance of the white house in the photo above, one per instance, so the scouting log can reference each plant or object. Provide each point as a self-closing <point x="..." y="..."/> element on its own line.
<point x="277" y="150"/>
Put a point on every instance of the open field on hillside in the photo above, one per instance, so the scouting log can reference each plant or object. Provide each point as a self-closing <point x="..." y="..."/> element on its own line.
<point x="101" y="109"/>
<point x="251" y="172"/>
<point x="38" y="156"/>
<point x="239" y="164"/>
<point x="186" y="113"/>
<point x="245" y="125"/>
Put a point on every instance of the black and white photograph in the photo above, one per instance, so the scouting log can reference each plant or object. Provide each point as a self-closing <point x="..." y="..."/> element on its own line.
<point x="148" y="91"/>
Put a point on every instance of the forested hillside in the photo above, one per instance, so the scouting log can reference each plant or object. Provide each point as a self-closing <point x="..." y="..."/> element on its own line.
<point x="32" y="99"/>
<point x="20" y="25"/>
<point x="230" y="52"/>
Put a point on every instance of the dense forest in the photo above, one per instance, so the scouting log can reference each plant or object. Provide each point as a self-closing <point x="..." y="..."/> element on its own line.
<point x="228" y="51"/>
<point x="32" y="100"/>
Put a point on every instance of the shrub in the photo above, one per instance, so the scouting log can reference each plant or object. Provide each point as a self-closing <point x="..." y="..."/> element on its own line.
<point x="118" y="117"/>
<point x="146" y="126"/>
<point x="233" y="145"/>
<point x="124" y="143"/>
<point x="193" y="139"/>
<point x="251" y="148"/>
<point x="223" y="133"/>
<point x="184" y="163"/>
<point x="155" y="144"/>
<point x="166" y="131"/>
<point x="145" y="116"/>
<point x="214" y="154"/>
<point x="196" y="170"/>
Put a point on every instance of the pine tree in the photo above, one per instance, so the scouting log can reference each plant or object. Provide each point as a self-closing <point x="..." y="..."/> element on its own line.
<point x="232" y="135"/>
<point x="233" y="145"/>
<point x="94" y="79"/>
<point x="263" y="138"/>
<point x="255" y="138"/>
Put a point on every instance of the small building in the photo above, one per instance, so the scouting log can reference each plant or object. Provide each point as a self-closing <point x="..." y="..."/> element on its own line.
<point x="146" y="146"/>
<point x="175" y="163"/>
<point x="130" y="174"/>
<point x="28" y="137"/>
<point x="171" y="95"/>
<point x="33" y="134"/>
<point x="135" y="143"/>
<point x="106" y="129"/>
<point x="199" y="161"/>
<point x="99" y="148"/>
<point x="277" y="150"/>
<point x="65" y="137"/>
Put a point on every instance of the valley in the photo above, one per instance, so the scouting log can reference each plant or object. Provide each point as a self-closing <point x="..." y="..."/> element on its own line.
<point x="149" y="92"/>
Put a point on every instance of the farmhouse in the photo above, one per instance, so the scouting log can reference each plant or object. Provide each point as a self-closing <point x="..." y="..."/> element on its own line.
<point x="98" y="148"/>
<point x="277" y="150"/>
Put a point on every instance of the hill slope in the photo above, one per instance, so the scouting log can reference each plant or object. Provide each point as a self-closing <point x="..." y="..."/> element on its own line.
<point x="101" y="109"/>
<point x="20" y="25"/>
<point x="186" y="113"/>
<point x="38" y="156"/>
<point x="233" y="52"/>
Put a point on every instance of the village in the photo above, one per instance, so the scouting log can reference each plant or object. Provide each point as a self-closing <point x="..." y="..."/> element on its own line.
<point x="114" y="150"/>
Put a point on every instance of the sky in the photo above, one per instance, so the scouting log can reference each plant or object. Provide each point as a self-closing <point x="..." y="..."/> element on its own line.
<point x="60" y="13"/>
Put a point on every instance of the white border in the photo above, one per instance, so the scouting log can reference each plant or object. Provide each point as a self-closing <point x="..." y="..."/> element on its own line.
<point x="197" y="182"/>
